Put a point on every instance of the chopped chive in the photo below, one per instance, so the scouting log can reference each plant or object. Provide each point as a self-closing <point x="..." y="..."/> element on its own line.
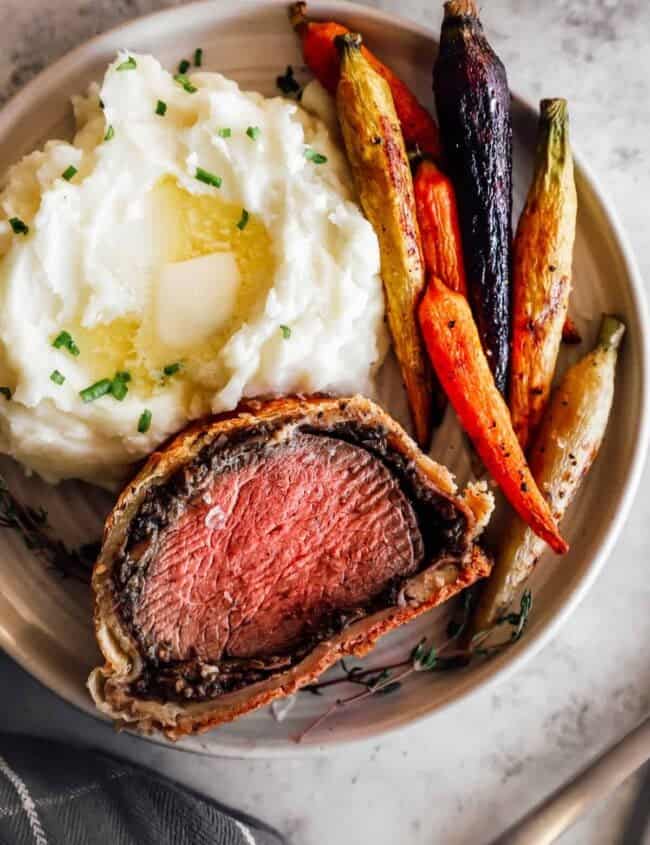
<point x="144" y="422"/>
<point x="161" y="108"/>
<point x="286" y="332"/>
<point x="64" y="341"/>
<point x="57" y="377"/>
<point x="119" y="385"/>
<point x="18" y="226"/>
<point x="243" y="220"/>
<point x="224" y="133"/>
<point x="6" y="392"/>
<point x="313" y="156"/>
<point x="129" y="64"/>
<point x="183" y="67"/>
<point x="185" y="83"/>
<point x="119" y="389"/>
<point x="253" y="132"/>
<point x="69" y="172"/>
<point x="207" y="177"/>
<point x="110" y="132"/>
<point x="172" y="369"/>
<point x="96" y="390"/>
<point x="198" y="57"/>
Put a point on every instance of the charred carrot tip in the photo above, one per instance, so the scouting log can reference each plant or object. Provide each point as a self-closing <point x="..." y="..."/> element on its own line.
<point x="557" y="543"/>
<point x="321" y="55"/>
<point x="461" y="9"/>
<point x="298" y="15"/>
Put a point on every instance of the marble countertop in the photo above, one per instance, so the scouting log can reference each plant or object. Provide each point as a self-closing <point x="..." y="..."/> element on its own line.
<point x="467" y="773"/>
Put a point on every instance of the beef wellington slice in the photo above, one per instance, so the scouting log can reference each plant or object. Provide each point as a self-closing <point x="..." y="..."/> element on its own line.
<point x="258" y="548"/>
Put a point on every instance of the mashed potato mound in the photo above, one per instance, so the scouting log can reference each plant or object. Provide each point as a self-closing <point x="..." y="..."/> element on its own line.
<point x="196" y="244"/>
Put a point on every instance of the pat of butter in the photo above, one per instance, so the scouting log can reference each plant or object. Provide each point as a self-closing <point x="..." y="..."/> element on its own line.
<point x="196" y="298"/>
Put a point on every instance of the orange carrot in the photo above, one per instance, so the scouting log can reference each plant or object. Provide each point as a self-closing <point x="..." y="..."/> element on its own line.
<point x="322" y="58"/>
<point x="542" y="258"/>
<point x="437" y="214"/>
<point x="455" y="350"/>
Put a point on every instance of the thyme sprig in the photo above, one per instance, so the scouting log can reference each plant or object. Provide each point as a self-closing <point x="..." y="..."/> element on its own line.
<point x="32" y="525"/>
<point x="425" y="657"/>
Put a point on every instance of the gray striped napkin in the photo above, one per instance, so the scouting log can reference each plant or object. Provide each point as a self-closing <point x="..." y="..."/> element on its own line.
<point x="54" y="794"/>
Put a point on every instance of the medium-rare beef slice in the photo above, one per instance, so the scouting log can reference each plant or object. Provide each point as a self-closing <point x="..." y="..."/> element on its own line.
<point x="267" y="550"/>
<point x="257" y="549"/>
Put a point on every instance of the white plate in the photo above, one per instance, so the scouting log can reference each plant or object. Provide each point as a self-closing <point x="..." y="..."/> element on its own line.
<point x="45" y="623"/>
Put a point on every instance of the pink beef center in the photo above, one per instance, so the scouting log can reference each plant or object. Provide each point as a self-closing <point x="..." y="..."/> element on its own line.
<point x="271" y="549"/>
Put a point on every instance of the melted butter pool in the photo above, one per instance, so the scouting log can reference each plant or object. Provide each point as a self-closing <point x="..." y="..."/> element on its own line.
<point x="186" y="226"/>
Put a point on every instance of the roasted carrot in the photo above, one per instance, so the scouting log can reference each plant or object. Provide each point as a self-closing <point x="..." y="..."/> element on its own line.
<point x="473" y="103"/>
<point x="564" y="449"/>
<point x="435" y="204"/>
<point x="321" y="56"/>
<point x="542" y="258"/>
<point x="382" y="176"/>
<point x="455" y="350"/>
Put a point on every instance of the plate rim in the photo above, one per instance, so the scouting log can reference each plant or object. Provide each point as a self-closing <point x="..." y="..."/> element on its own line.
<point x="501" y="668"/>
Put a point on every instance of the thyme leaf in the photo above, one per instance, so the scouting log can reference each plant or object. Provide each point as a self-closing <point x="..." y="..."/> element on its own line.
<point x="517" y="621"/>
<point x="425" y="657"/>
<point x="394" y="686"/>
<point x="457" y="627"/>
<point x="32" y="526"/>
